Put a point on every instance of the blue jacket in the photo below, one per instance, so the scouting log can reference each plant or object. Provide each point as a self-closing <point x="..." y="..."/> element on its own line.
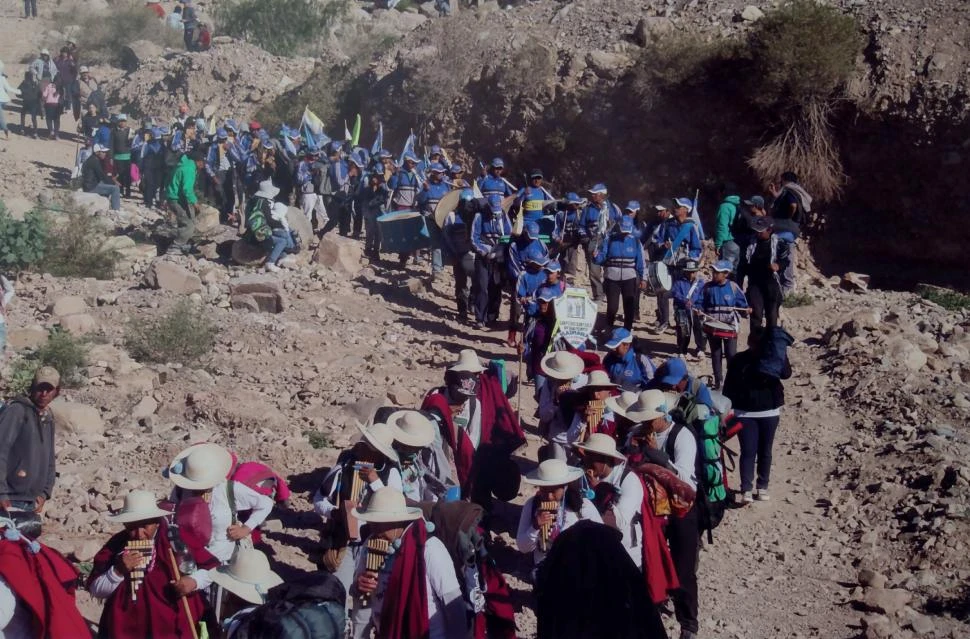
<point x="405" y="187"/>
<point x="630" y="371"/>
<point x="103" y="136"/>
<point x="703" y="394"/>
<point x="531" y="200"/>
<point x="721" y="300"/>
<point x="490" y="184"/>
<point x="567" y="226"/>
<point x="526" y="287"/>
<point x="428" y="198"/>
<point x="621" y="257"/>
<point x="519" y="248"/>
<point x="488" y="231"/>
<point x="692" y="239"/>
<point x="212" y="160"/>
<point x="590" y="218"/>
<point x="681" y="292"/>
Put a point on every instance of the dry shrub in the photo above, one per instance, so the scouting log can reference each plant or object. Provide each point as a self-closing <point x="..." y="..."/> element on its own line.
<point x="282" y="27"/>
<point x="807" y="148"/>
<point x="75" y="246"/>
<point x="183" y="334"/>
<point x="675" y="60"/>
<point x="102" y="35"/>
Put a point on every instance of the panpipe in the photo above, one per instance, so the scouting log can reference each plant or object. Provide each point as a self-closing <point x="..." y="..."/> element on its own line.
<point x="358" y="485"/>
<point x="377" y="551"/>
<point x="546" y="529"/>
<point x="594" y="413"/>
<point x="142" y="547"/>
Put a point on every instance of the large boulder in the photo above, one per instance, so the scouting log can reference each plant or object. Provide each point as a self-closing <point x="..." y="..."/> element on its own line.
<point x="904" y="353"/>
<point x="169" y="276"/>
<point x="246" y="253"/>
<point x="257" y="293"/>
<point x="134" y="54"/>
<point x="26" y="337"/>
<point x="339" y="254"/>
<point x="608" y="65"/>
<point x="298" y="222"/>
<point x="68" y="305"/>
<point x="78" y="419"/>
<point x="78" y="323"/>
<point x="207" y="221"/>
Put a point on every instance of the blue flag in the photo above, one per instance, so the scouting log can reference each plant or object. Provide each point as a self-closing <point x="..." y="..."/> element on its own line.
<point x="375" y="148"/>
<point x="408" y="148"/>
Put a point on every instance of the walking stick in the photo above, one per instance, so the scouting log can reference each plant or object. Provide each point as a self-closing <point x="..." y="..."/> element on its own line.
<point x="518" y="387"/>
<point x="185" y="602"/>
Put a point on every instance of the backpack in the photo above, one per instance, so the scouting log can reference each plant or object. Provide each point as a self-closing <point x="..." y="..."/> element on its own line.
<point x="712" y="489"/>
<point x="309" y="608"/>
<point x="256" y="225"/>
<point x="739" y="225"/>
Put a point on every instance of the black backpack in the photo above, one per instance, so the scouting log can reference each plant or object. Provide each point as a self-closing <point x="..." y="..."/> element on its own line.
<point x="739" y="225"/>
<point x="309" y="608"/>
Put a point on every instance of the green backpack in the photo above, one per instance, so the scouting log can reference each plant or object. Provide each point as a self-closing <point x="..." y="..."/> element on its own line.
<point x="257" y="227"/>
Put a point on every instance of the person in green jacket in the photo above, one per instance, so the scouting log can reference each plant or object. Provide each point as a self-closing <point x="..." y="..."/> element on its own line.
<point x="181" y="198"/>
<point x="727" y="212"/>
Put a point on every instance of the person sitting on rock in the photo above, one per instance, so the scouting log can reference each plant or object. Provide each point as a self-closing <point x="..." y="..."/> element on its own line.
<point x="134" y="572"/>
<point x="283" y="240"/>
<point x="367" y="466"/>
<point x="94" y="179"/>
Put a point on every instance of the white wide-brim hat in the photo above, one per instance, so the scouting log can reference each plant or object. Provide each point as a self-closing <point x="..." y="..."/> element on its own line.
<point x="620" y="403"/>
<point x="468" y="362"/>
<point x="140" y="505"/>
<point x="411" y="428"/>
<point x="387" y="505"/>
<point x="598" y="379"/>
<point x="381" y="437"/>
<point x="248" y="576"/>
<point x="267" y="190"/>
<point x="553" y="472"/>
<point x="650" y="404"/>
<point x="562" y="365"/>
<point x="601" y="444"/>
<point x="200" y="466"/>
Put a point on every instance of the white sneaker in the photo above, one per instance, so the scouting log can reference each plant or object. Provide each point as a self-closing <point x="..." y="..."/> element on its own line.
<point x="700" y="354"/>
<point x="747" y="498"/>
<point x="762" y="495"/>
<point x="272" y="268"/>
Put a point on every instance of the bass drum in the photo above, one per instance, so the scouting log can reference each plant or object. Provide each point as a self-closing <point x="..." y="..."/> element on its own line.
<point x="658" y="279"/>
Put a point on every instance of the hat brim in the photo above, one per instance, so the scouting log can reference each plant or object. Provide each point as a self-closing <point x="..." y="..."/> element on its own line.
<point x="586" y="449"/>
<point x="246" y="591"/>
<point x="383" y="517"/>
<point x="380" y="446"/>
<point x="572" y="371"/>
<point x="613" y="344"/>
<point x="644" y="415"/>
<point x="463" y="368"/>
<point x="572" y="475"/>
<point x="614" y="405"/>
<point x="720" y="270"/>
<point x="269" y="195"/>
<point x="129" y="517"/>
<point x="408" y="439"/>
<point x="215" y="473"/>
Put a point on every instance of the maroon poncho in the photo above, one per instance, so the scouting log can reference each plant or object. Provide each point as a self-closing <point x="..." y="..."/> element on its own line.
<point x="157" y="612"/>
<point x="44" y="583"/>
<point x="404" y="614"/>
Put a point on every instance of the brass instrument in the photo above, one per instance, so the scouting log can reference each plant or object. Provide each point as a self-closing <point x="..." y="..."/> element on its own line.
<point x="377" y="552"/>
<point x="142" y="547"/>
<point x="594" y="413"/>
<point x="358" y="486"/>
<point x="546" y="529"/>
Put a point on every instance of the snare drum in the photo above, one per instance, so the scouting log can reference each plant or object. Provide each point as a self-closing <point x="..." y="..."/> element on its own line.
<point x="720" y="329"/>
<point x="658" y="278"/>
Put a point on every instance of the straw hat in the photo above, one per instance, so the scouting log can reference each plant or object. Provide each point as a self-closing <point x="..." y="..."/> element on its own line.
<point x="650" y="404"/>
<point x="387" y="505"/>
<point x="267" y="190"/>
<point x="411" y="428"/>
<point x="140" y="505"/>
<point x="598" y="380"/>
<point x="468" y="362"/>
<point x="562" y="365"/>
<point x="621" y="402"/>
<point x="381" y="437"/>
<point x="200" y="467"/>
<point x="553" y="472"/>
<point x="601" y="444"/>
<point x="248" y="576"/>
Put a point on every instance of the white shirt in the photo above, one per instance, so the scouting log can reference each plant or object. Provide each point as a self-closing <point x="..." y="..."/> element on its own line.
<point x="324" y="505"/>
<point x="627" y="511"/>
<point x="442" y="586"/>
<point x="16" y="621"/>
<point x="527" y="537"/>
<point x="685" y="454"/>
<point x="571" y="435"/>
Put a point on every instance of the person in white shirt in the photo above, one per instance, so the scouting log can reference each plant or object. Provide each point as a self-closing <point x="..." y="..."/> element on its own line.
<point x="425" y="472"/>
<point x="393" y="593"/>
<point x="200" y="473"/>
<point x="556" y="484"/>
<point x="607" y="474"/>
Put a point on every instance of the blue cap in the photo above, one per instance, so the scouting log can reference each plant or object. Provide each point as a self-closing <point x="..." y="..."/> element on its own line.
<point x="156" y="133"/>
<point x="437" y="167"/>
<point x="356" y="161"/>
<point x="548" y="293"/>
<point x="222" y="134"/>
<point x="672" y="371"/>
<point x="632" y="205"/>
<point x="411" y="156"/>
<point x="620" y="336"/>
<point x="572" y="198"/>
<point x="284" y="130"/>
<point x="334" y="147"/>
<point x="231" y="125"/>
<point x="435" y="150"/>
<point x="536" y="255"/>
<point x="267" y="144"/>
<point x="456" y="168"/>
<point x="384" y="154"/>
<point x="599" y="187"/>
<point x="723" y="266"/>
<point x="498" y="163"/>
<point x="531" y="229"/>
<point x="683" y="201"/>
<point x="467" y="195"/>
<point x="626" y="225"/>
<point x="495" y="203"/>
<point x="756" y="201"/>
<point x="553" y="266"/>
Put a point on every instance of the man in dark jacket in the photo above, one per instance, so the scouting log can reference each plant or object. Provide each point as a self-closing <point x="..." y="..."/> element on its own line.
<point x="121" y="152"/>
<point x="27" y="445"/>
<point x="94" y="179"/>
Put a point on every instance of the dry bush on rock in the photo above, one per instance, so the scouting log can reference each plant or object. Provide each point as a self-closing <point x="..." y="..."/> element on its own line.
<point x="183" y="334"/>
<point x="102" y="35"/>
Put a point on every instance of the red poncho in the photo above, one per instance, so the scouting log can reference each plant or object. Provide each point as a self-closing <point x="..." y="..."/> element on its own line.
<point x="404" y="613"/>
<point x="658" y="565"/>
<point x="500" y="425"/>
<point x="157" y="612"/>
<point x="44" y="583"/>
